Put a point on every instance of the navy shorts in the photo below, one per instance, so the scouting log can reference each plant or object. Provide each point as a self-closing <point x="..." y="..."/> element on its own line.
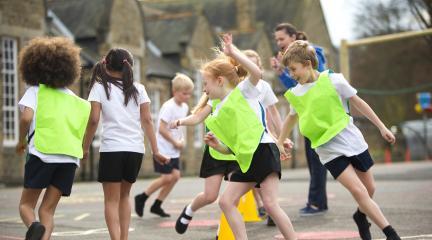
<point x="166" y="168"/>
<point x="361" y="162"/>
<point x="119" y="166"/>
<point x="39" y="175"/>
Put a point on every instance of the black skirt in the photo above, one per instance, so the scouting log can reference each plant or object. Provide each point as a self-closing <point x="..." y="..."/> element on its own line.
<point x="265" y="161"/>
<point x="211" y="166"/>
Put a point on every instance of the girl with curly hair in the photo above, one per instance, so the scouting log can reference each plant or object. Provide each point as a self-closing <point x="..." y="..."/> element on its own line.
<point x="52" y="134"/>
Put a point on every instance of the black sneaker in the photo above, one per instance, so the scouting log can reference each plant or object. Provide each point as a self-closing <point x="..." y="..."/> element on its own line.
<point x="139" y="204"/>
<point x="159" y="211"/>
<point x="181" y="227"/>
<point x="363" y="225"/>
<point x="35" y="231"/>
<point x="270" y="222"/>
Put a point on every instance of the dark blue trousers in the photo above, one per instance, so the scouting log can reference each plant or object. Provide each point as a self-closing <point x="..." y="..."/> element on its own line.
<point x="318" y="178"/>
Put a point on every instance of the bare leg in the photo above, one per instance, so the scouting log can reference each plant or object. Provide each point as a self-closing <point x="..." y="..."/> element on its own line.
<point x="166" y="188"/>
<point x="29" y="198"/>
<point x="228" y="203"/>
<point x="111" y="200"/>
<point x="351" y="181"/>
<point x="47" y="208"/>
<point x="124" y="210"/>
<point x="212" y="186"/>
<point x="269" y="193"/>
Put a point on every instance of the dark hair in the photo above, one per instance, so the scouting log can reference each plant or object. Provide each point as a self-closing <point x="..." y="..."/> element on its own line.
<point x="53" y="61"/>
<point x="289" y="29"/>
<point x="117" y="60"/>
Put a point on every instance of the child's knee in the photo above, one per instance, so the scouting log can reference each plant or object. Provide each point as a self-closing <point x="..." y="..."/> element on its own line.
<point x="226" y="202"/>
<point x="210" y="197"/>
<point x="359" y="192"/>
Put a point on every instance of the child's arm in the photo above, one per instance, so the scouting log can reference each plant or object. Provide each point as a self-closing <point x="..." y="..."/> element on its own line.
<point x="275" y="118"/>
<point x="163" y="130"/>
<point x="147" y="126"/>
<point x="367" y="111"/>
<point x="232" y="51"/>
<point x="24" y="126"/>
<point x="92" y="125"/>
<point x="287" y="127"/>
<point x="192" y="119"/>
<point x="211" y="140"/>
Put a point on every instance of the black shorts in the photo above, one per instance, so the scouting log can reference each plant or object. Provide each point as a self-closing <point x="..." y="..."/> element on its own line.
<point x="166" y="168"/>
<point x="361" y="162"/>
<point x="265" y="161"/>
<point x="211" y="166"/>
<point x="39" y="174"/>
<point x="118" y="166"/>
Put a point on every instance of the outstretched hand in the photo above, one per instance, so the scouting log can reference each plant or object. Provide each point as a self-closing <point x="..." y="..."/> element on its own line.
<point x="227" y="47"/>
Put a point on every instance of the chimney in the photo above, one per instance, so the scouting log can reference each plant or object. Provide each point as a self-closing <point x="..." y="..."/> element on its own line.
<point x="245" y="15"/>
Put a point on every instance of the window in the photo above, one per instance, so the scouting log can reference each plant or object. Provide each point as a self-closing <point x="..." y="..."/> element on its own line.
<point x="198" y="133"/>
<point x="137" y="69"/>
<point x="10" y="91"/>
<point x="154" y="96"/>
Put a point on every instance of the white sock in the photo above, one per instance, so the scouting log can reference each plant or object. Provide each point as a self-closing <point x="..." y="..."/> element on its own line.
<point x="188" y="212"/>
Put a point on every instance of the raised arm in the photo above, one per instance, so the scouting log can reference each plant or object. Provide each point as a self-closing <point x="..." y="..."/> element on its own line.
<point x="367" y="111"/>
<point x="232" y="51"/>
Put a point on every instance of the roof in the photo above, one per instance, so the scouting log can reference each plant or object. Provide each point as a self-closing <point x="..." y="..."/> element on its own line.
<point x="85" y="19"/>
<point x="170" y="35"/>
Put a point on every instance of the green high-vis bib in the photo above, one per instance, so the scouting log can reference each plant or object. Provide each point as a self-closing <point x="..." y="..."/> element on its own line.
<point x="61" y="121"/>
<point x="237" y="126"/>
<point x="214" y="153"/>
<point x="320" y="111"/>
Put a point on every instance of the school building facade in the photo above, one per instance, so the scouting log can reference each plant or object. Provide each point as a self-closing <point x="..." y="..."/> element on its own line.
<point x="165" y="37"/>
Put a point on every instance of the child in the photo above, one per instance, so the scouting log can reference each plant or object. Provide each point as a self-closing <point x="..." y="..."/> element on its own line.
<point x="268" y="100"/>
<point x="239" y="123"/>
<point x="320" y="102"/>
<point x="49" y="66"/>
<point x="212" y="170"/>
<point x="171" y="142"/>
<point x="125" y="109"/>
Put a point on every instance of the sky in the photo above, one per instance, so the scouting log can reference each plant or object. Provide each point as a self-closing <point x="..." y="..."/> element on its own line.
<point x="339" y="18"/>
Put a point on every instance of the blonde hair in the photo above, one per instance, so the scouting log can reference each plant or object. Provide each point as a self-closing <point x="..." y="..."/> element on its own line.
<point x="300" y="51"/>
<point x="182" y="82"/>
<point x="201" y="104"/>
<point x="253" y="54"/>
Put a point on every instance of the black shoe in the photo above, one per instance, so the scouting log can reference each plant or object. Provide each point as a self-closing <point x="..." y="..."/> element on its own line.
<point x="139" y="204"/>
<point x="363" y="225"/>
<point x="270" y="222"/>
<point x="159" y="211"/>
<point x="35" y="231"/>
<point x="181" y="227"/>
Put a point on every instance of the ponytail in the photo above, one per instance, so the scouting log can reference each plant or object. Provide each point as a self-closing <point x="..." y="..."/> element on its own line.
<point x="118" y="60"/>
<point x="201" y="104"/>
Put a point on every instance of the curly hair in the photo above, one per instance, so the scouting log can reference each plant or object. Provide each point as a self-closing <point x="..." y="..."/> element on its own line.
<point x="53" y="61"/>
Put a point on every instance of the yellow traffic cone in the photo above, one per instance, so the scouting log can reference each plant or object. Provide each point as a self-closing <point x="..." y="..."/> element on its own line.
<point x="248" y="208"/>
<point x="224" y="230"/>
